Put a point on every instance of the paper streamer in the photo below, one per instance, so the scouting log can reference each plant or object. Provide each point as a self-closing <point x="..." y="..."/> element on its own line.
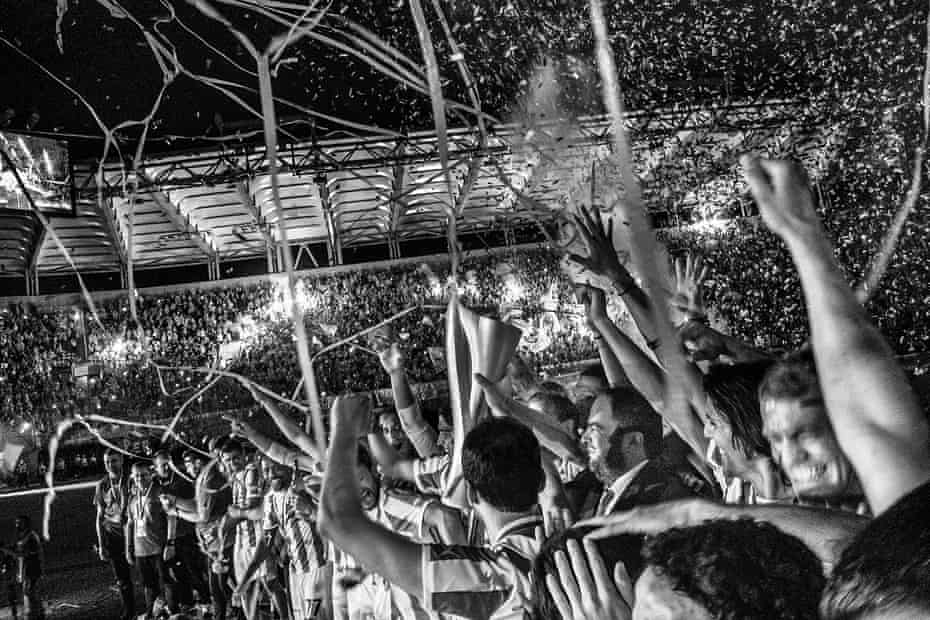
<point x="879" y="263"/>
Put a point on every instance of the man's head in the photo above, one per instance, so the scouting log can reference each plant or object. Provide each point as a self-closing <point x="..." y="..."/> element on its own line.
<point x="232" y="456"/>
<point x="393" y="431"/>
<point x="885" y="572"/>
<point x="734" y="421"/>
<point x="501" y="465"/>
<point x="727" y="570"/>
<point x="193" y="463"/>
<point x="161" y="463"/>
<point x="23" y="524"/>
<point x="368" y="485"/>
<point x="796" y="425"/>
<point x="277" y="475"/>
<point x="557" y="408"/>
<point x="591" y="382"/>
<point x="141" y="475"/>
<point x="622" y="431"/>
<point x="113" y="462"/>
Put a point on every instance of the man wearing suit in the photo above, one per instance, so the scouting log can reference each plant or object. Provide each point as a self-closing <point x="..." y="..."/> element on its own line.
<point x="623" y="441"/>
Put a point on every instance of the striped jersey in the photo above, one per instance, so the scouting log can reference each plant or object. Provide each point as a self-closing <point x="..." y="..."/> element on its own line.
<point x="247" y="493"/>
<point x="293" y="515"/>
<point x="482" y="582"/>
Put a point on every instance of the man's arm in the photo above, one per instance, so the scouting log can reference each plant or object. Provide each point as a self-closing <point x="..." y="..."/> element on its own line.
<point x="875" y="415"/>
<point x="274" y="450"/>
<point x="98" y="502"/>
<point x="288" y="426"/>
<point x="392" y="465"/>
<point x="552" y="436"/>
<point x="341" y="518"/>
<point x="826" y="532"/>
<point x="421" y="434"/>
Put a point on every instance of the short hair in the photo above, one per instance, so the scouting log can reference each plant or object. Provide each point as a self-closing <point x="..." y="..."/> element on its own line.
<point x="191" y="454"/>
<point x="594" y="371"/>
<point x="624" y="548"/>
<point x="632" y="411"/>
<point x="558" y="406"/>
<point x="25" y="519"/>
<point x="551" y="387"/>
<point x="739" y="569"/>
<point x="734" y="393"/>
<point x="501" y="462"/>
<point x="111" y="452"/>
<point x="886" y="568"/>
<point x="162" y="453"/>
<point x="231" y="445"/>
<point x="793" y="376"/>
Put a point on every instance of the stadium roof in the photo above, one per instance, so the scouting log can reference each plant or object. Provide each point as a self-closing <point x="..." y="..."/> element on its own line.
<point x="217" y="204"/>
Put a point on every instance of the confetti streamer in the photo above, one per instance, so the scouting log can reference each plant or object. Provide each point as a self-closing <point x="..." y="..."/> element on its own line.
<point x="177" y="416"/>
<point x="642" y="239"/>
<point x="879" y="264"/>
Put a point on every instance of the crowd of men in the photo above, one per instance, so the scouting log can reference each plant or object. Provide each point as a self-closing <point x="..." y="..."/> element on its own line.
<point x="692" y="478"/>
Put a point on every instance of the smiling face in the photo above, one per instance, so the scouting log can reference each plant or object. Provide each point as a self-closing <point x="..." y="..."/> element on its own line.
<point x="596" y="437"/>
<point x="392" y="431"/>
<point x="805" y="447"/>
<point x="233" y="460"/>
<point x="141" y="476"/>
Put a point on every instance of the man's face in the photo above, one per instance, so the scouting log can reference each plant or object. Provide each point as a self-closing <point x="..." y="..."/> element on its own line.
<point x="656" y="599"/>
<point x="114" y="465"/>
<point x="805" y="447"/>
<point x="233" y="461"/>
<point x="730" y="459"/>
<point x="193" y="466"/>
<point x="596" y="437"/>
<point x="276" y="474"/>
<point x="162" y="466"/>
<point x="538" y="404"/>
<point x="392" y="430"/>
<point x="141" y="477"/>
<point x="368" y="488"/>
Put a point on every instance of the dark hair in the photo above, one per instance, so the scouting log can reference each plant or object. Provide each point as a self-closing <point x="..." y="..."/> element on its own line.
<point x="25" y="519"/>
<point x="501" y="462"/>
<point x="111" y="452"/>
<point x="734" y="393"/>
<point x="793" y="376"/>
<point x="633" y="412"/>
<point x="625" y="548"/>
<point x="190" y="454"/>
<point x="364" y="459"/>
<point x="553" y="388"/>
<point x="231" y="445"/>
<point x="161" y="453"/>
<point x="739" y="570"/>
<point x="886" y="568"/>
<point x="556" y="405"/>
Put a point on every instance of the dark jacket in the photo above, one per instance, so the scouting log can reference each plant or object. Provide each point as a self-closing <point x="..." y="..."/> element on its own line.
<point x="653" y="484"/>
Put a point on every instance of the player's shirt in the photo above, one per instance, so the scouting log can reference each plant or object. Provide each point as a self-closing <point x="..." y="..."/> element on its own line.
<point x="482" y="582"/>
<point x="247" y="493"/>
<point x="292" y="514"/>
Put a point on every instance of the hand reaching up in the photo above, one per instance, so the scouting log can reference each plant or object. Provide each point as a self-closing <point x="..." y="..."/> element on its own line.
<point x="688" y="299"/>
<point x="602" y="257"/>
<point x="393" y="359"/>
<point x="352" y="412"/>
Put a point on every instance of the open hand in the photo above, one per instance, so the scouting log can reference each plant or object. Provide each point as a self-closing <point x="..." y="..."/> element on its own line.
<point x="688" y="300"/>
<point x="352" y="411"/>
<point x="582" y="589"/>
<point x="602" y="257"/>
<point x="654" y="519"/>
<point x="392" y="358"/>
<point x="239" y="428"/>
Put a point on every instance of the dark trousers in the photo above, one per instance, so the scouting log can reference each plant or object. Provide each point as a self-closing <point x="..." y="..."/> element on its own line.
<point x="189" y="571"/>
<point x="220" y="592"/>
<point x="155" y="581"/>
<point x="115" y="546"/>
<point x="33" y="608"/>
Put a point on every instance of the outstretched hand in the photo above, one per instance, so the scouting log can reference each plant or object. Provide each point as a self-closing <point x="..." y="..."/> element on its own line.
<point x="602" y="257"/>
<point x="392" y="358"/>
<point x="688" y="300"/>
<point x="781" y="190"/>
<point x="582" y="589"/>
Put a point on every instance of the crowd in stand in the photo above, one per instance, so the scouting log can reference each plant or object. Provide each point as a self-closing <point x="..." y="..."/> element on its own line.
<point x="687" y="475"/>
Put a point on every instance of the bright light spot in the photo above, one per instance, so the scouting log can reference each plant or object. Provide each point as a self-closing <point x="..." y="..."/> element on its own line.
<point x="25" y="428"/>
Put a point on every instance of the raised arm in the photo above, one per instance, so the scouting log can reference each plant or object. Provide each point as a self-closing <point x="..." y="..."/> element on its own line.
<point x="392" y="464"/>
<point x="421" y="434"/>
<point x="552" y="436"/>
<point x="277" y="452"/>
<point x="341" y="518"/>
<point x="288" y="426"/>
<point x="876" y="417"/>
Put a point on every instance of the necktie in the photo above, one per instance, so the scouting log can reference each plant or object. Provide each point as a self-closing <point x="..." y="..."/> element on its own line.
<point x="606" y="498"/>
